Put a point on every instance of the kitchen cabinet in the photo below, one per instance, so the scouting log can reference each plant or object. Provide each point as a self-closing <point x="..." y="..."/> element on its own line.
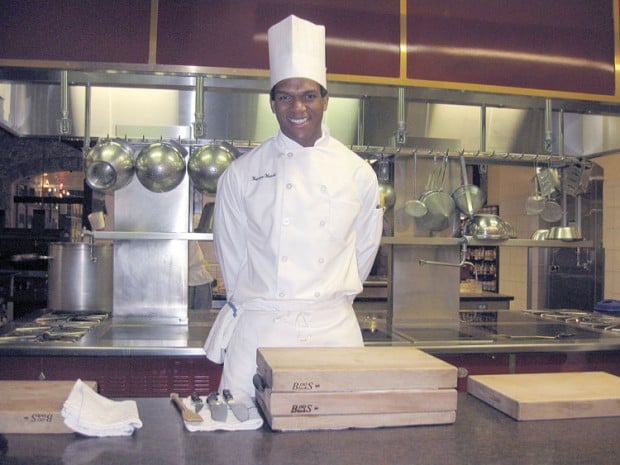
<point x="208" y="34"/>
<point x="514" y="44"/>
<point x="95" y="31"/>
<point x="567" y="46"/>
<point x="119" y="376"/>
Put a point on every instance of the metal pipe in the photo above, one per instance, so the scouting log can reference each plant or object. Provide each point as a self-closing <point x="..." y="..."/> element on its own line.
<point x="401" y="133"/>
<point x="561" y="154"/>
<point x="548" y="126"/>
<point x="462" y="261"/>
<point x="361" y="116"/>
<point x="199" y="124"/>
<point x="64" y="123"/>
<point x="87" y="96"/>
<point x="483" y="128"/>
<point x="64" y="85"/>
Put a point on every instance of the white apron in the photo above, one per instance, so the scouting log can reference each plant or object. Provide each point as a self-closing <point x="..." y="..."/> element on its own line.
<point x="237" y="333"/>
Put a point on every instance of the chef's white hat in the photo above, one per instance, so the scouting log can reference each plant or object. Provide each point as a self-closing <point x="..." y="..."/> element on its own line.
<point x="297" y="49"/>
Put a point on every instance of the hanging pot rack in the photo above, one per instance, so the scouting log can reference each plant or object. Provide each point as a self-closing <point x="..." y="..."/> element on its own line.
<point x="474" y="157"/>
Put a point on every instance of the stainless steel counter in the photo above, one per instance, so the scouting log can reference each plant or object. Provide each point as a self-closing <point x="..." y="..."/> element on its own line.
<point x="480" y="435"/>
<point x="486" y="332"/>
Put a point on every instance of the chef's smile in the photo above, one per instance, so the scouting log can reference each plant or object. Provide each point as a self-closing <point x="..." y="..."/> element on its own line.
<point x="299" y="105"/>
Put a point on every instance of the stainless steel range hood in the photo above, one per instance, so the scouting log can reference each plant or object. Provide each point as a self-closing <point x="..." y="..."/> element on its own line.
<point x="238" y="108"/>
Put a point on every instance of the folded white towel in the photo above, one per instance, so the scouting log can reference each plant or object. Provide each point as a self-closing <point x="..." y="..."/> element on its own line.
<point x="254" y="421"/>
<point x="91" y="414"/>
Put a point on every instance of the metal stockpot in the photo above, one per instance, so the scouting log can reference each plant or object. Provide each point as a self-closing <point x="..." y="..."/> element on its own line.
<point x="80" y="277"/>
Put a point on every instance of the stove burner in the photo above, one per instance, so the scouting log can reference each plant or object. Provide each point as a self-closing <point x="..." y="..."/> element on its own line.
<point x="607" y="323"/>
<point x="54" y="327"/>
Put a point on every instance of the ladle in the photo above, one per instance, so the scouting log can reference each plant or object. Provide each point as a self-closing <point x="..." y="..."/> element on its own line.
<point x="415" y="207"/>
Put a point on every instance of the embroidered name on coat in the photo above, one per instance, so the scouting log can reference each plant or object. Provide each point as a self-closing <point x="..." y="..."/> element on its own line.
<point x="266" y="175"/>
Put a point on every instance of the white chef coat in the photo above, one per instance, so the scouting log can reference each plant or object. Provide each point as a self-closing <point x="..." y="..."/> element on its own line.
<point x="296" y="232"/>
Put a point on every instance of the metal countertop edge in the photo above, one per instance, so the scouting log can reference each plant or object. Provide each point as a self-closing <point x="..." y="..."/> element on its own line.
<point x="446" y="347"/>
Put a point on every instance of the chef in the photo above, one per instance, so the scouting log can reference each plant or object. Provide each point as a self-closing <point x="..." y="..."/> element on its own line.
<point x="297" y="222"/>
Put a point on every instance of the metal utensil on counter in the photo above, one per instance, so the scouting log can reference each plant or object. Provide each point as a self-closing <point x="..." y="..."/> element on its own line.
<point x="197" y="401"/>
<point x="415" y="207"/>
<point x="239" y="409"/>
<point x="186" y="413"/>
<point x="219" y="409"/>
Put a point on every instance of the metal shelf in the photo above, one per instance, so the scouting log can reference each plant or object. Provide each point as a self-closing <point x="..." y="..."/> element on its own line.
<point x="155" y="236"/>
<point x="458" y="241"/>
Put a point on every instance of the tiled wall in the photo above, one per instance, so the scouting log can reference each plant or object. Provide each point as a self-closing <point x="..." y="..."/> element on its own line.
<point x="509" y="186"/>
<point x="611" y="224"/>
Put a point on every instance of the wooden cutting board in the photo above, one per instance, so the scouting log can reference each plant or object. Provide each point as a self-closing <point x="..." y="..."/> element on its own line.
<point x="546" y="396"/>
<point x="358" y="402"/>
<point x="372" y="420"/>
<point x="352" y="369"/>
<point x="33" y="407"/>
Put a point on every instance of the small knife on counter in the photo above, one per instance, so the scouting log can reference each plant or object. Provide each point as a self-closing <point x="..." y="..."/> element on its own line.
<point x="219" y="409"/>
<point x="197" y="401"/>
<point x="239" y="409"/>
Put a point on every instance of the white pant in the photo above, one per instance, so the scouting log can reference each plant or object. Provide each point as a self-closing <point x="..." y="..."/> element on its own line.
<point x="324" y="325"/>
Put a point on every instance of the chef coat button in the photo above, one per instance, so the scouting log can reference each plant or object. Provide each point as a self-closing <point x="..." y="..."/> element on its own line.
<point x="281" y="294"/>
<point x="322" y="223"/>
<point x="289" y="186"/>
<point x="286" y="221"/>
<point x="323" y="188"/>
<point x="317" y="294"/>
<point x="321" y="260"/>
<point x="290" y="154"/>
<point x="284" y="258"/>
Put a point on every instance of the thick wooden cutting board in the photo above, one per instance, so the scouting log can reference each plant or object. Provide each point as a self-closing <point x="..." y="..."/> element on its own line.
<point x="358" y="402"/>
<point x="352" y="369"/>
<point x="33" y="407"/>
<point x="372" y="420"/>
<point x="545" y="396"/>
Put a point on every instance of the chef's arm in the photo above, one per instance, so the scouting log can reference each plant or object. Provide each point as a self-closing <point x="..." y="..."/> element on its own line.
<point x="228" y="230"/>
<point x="369" y="227"/>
